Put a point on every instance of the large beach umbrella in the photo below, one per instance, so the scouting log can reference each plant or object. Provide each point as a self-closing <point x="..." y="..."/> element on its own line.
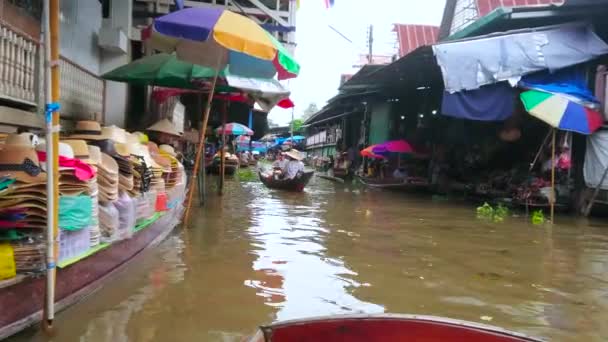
<point x="368" y="153"/>
<point x="233" y="128"/>
<point x="166" y="70"/>
<point x="394" y="146"/>
<point x="219" y="38"/>
<point x="562" y="111"/>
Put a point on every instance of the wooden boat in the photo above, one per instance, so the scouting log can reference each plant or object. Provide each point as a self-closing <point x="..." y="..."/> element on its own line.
<point x="385" y="328"/>
<point x="22" y="298"/>
<point x="230" y="166"/>
<point x="296" y="184"/>
<point x="409" y="184"/>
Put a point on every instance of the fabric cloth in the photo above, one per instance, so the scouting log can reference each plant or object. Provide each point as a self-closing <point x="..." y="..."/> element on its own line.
<point x="596" y="160"/>
<point x="75" y="212"/>
<point x="569" y="81"/>
<point x="494" y="102"/>
<point x="470" y="64"/>
<point x="82" y="170"/>
<point x="292" y="169"/>
<point x="280" y="164"/>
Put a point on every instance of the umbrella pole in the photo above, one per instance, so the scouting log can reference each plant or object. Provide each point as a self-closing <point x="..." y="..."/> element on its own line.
<point x="553" y="177"/>
<point x="199" y="151"/>
<point x="223" y="153"/>
<point x="51" y="37"/>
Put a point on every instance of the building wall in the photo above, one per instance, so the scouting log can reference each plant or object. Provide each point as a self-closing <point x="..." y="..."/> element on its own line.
<point x="379" y="129"/>
<point x="80" y="23"/>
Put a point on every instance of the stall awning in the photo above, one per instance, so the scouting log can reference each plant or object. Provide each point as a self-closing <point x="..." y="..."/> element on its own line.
<point x="470" y="64"/>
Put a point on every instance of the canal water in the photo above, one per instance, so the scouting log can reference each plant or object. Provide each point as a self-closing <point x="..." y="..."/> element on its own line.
<point x="257" y="256"/>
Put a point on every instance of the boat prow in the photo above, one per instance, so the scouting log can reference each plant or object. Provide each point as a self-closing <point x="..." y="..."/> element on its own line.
<point x="384" y="328"/>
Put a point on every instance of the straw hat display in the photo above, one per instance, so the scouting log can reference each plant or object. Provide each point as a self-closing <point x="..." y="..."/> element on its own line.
<point x="165" y="126"/>
<point x="19" y="160"/>
<point x="23" y="202"/>
<point x="168" y="149"/>
<point x="87" y="130"/>
<point x="107" y="179"/>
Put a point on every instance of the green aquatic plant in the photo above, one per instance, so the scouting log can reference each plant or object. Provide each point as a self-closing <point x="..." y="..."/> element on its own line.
<point x="538" y="217"/>
<point x="498" y="214"/>
<point x="247" y="175"/>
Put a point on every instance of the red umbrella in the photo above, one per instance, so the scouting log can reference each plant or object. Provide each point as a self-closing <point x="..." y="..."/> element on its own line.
<point x="394" y="146"/>
<point x="286" y="103"/>
<point x="368" y="153"/>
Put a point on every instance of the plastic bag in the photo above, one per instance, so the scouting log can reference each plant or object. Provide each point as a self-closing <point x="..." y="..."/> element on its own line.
<point x="75" y="212"/>
<point x="108" y="222"/>
<point x="7" y="262"/>
<point x="145" y="206"/>
<point x="161" y="202"/>
<point x="126" y="214"/>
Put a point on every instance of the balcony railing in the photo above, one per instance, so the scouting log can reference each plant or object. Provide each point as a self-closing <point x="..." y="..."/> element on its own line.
<point x="18" y="67"/>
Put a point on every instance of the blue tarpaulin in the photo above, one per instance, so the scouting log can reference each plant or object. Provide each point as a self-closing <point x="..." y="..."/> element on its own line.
<point x="494" y="102"/>
<point x="570" y="81"/>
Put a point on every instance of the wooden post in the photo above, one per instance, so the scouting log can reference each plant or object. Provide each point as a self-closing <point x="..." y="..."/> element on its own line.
<point x="553" y="197"/>
<point x="201" y="144"/>
<point x="52" y="38"/>
<point x="223" y="152"/>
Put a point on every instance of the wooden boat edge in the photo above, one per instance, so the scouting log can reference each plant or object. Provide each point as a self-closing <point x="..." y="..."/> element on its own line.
<point x="266" y="331"/>
<point x="89" y="289"/>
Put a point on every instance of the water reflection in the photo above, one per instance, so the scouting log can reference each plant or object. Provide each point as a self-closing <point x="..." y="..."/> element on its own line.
<point x="258" y="256"/>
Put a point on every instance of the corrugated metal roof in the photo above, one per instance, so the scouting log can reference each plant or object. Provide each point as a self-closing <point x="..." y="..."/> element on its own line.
<point x="411" y="37"/>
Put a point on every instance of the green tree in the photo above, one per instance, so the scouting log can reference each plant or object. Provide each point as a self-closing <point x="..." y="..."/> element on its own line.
<point x="297" y="124"/>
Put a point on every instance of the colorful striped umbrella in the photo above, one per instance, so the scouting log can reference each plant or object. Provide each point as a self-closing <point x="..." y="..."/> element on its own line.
<point x="394" y="146"/>
<point x="368" y="153"/>
<point x="562" y="112"/>
<point x="233" y="128"/>
<point x="218" y="38"/>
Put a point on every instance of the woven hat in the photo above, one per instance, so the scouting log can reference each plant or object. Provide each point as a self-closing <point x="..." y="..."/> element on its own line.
<point x="295" y="154"/>
<point x="108" y="165"/>
<point x="81" y="151"/>
<point x="23" y="139"/>
<point x="114" y="133"/>
<point x="168" y="149"/>
<point x="21" y="162"/>
<point x="165" y="126"/>
<point x="94" y="155"/>
<point x="87" y="130"/>
<point x="65" y="150"/>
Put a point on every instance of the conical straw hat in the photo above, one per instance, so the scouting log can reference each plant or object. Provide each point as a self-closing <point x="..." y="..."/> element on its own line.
<point x="164" y="126"/>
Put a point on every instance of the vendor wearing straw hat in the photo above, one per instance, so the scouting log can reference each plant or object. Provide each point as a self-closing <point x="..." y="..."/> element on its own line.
<point x="163" y="132"/>
<point x="295" y="165"/>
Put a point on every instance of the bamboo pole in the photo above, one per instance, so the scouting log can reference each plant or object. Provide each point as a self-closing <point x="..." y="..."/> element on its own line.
<point x="52" y="124"/>
<point x="223" y="151"/>
<point x="552" y="204"/>
<point x="201" y="145"/>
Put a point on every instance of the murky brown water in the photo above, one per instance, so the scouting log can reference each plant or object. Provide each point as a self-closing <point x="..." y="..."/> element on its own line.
<point x="257" y="256"/>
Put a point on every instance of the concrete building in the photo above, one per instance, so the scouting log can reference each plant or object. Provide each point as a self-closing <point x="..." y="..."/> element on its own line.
<point x="96" y="36"/>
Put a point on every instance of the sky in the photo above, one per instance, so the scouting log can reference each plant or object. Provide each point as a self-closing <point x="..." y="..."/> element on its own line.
<point x="324" y="55"/>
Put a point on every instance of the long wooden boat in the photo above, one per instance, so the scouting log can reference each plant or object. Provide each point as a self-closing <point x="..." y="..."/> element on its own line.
<point x="297" y="184"/>
<point x="385" y="328"/>
<point x="22" y="298"/>
<point x="394" y="184"/>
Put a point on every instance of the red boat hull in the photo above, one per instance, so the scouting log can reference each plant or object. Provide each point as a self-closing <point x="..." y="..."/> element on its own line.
<point x="21" y="303"/>
<point x="384" y="328"/>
